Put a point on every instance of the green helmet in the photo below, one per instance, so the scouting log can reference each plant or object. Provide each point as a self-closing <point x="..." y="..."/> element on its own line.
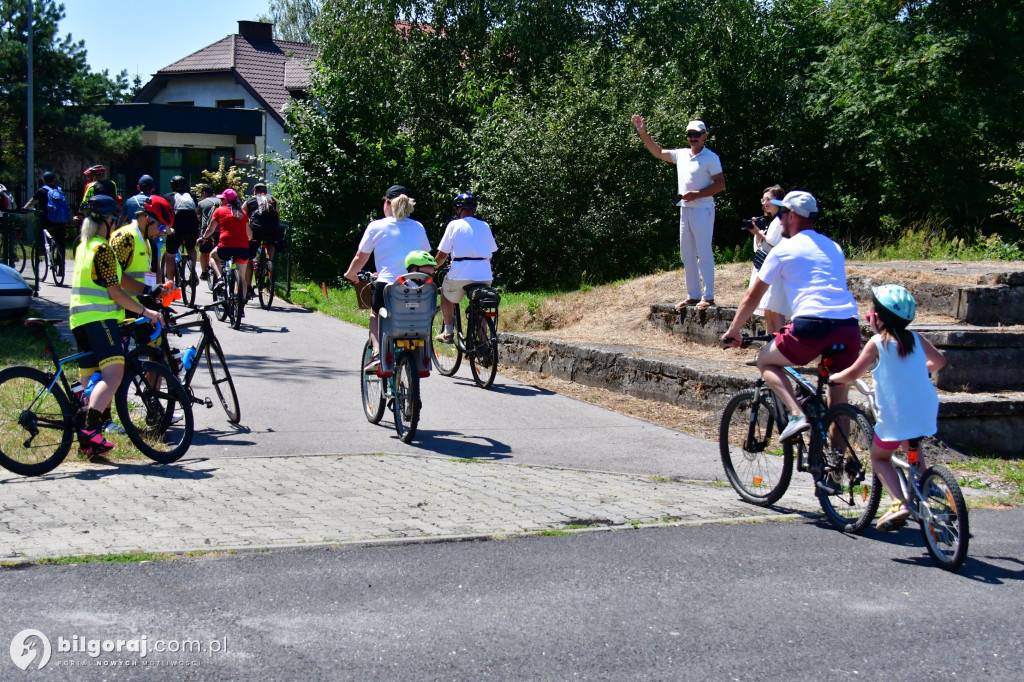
<point x="419" y="258"/>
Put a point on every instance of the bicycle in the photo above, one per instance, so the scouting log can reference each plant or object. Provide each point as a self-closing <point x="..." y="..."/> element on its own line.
<point x="404" y="357"/>
<point x="185" y="277"/>
<point x="49" y="259"/>
<point x="264" y="276"/>
<point x="934" y="498"/>
<point x="37" y="416"/>
<point x="836" y="454"/>
<point x="480" y="342"/>
<point x="15" y="253"/>
<point x="229" y="289"/>
<point x="208" y="348"/>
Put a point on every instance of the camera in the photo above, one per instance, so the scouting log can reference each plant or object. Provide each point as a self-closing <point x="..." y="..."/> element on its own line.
<point x="750" y="224"/>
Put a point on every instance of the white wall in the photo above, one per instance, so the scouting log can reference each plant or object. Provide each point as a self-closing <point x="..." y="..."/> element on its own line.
<point x="204" y="92"/>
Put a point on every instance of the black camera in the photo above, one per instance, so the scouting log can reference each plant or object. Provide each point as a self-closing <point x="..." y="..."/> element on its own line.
<point x="750" y="224"/>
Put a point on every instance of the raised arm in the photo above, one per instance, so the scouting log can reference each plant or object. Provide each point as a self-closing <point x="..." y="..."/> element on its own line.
<point x="655" y="150"/>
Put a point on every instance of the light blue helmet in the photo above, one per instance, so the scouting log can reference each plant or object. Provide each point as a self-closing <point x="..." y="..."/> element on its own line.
<point x="897" y="300"/>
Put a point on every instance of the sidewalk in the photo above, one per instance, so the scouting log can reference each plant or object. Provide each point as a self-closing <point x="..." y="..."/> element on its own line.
<point x="267" y="502"/>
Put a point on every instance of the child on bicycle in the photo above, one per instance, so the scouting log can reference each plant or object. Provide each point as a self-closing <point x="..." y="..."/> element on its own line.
<point x="908" y="405"/>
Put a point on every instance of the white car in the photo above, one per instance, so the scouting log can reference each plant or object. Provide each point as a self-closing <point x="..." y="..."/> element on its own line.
<point x="15" y="294"/>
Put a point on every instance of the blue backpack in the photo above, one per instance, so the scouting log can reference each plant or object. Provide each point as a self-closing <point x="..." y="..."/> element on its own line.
<point x="57" y="208"/>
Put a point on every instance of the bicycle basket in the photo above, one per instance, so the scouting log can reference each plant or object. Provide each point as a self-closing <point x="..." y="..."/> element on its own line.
<point x="484" y="297"/>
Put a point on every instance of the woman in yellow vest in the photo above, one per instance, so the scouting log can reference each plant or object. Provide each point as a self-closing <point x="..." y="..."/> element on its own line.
<point x="98" y="304"/>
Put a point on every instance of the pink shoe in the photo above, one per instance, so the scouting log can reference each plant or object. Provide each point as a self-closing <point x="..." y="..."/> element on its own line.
<point x="93" y="442"/>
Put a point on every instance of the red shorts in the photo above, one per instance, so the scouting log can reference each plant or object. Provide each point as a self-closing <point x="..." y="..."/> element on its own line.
<point x="800" y="350"/>
<point x="888" y="445"/>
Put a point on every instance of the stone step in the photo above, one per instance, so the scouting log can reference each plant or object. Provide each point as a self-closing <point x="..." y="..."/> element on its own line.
<point x="987" y="422"/>
<point x="977" y="358"/>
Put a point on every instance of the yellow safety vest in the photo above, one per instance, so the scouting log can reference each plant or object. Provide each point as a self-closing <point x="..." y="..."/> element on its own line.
<point x="142" y="256"/>
<point x="89" y="301"/>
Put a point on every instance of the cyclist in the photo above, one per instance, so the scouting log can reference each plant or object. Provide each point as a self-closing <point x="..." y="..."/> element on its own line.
<point x="98" y="304"/>
<point x="133" y="245"/>
<point x="235" y="235"/>
<point x="40" y="201"/>
<point x="908" y="405"/>
<point x="186" y="225"/>
<point x="97" y="184"/>
<point x="420" y="261"/>
<point x="206" y="206"/>
<point x="133" y="204"/>
<point x="813" y="269"/>
<point x="389" y="240"/>
<point x="265" y="221"/>
<point x="470" y="243"/>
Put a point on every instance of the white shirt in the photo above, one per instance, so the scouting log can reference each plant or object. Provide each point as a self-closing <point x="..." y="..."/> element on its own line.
<point x="908" y="406"/>
<point x="390" y="241"/>
<point x="694" y="173"/>
<point x="814" y="271"/>
<point x="469" y="237"/>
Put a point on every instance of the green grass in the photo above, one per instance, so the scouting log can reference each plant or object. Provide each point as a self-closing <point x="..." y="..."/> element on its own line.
<point x="130" y="557"/>
<point x="926" y="241"/>
<point x="1011" y="471"/>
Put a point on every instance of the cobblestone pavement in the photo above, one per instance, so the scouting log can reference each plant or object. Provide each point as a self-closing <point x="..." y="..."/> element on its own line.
<point x="255" y="502"/>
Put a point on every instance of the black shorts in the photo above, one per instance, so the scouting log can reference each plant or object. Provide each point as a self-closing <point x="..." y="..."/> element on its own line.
<point x="102" y="341"/>
<point x="240" y="254"/>
<point x="177" y="237"/>
<point x="270" y="235"/>
<point x="378" y="296"/>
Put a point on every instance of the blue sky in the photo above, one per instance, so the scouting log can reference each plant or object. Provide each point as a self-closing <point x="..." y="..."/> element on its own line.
<point x="144" y="37"/>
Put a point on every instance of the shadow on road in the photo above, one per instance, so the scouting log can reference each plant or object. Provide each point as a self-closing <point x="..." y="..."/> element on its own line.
<point x="503" y="389"/>
<point x="455" y="444"/>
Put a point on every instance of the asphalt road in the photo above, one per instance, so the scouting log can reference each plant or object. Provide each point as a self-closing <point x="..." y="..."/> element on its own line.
<point x="297" y="375"/>
<point x="787" y="600"/>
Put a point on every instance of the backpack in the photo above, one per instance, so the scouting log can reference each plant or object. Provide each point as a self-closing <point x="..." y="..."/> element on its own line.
<point x="57" y="208"/>
<point x="266" y="212"/>
<point x="183" y="201"/>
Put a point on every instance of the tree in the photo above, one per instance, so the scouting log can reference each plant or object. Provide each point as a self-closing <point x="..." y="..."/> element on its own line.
<point x="221" y="179"/>
<point x="294" y="19"/>
<point x="65" y="89"/>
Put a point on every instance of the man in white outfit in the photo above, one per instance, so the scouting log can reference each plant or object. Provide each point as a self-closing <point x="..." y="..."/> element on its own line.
<point x="700" y="178"/>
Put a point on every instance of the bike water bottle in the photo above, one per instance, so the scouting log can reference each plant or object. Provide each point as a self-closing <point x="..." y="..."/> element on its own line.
<point x="188" y="357"/>
<point x="78" y="394"/>
<point x="176" y="361"/>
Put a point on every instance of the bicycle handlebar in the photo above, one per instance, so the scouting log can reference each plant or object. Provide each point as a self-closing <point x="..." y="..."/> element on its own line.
<point x="745" y="340"/>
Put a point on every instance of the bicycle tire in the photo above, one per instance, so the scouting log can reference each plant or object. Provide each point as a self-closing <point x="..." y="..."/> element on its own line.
<point x="148" y="399"/>
<point x="240" y="299"/>
<point x="947" y="530"/>
<point x="847" y="456"/>
<point x="755" y="467"/>
<point x="40" y="264"/>
<point x="19" y="257"/>
<point x="406" y="403"/>
<point x="230" y="299"/>
<point x="445" y="357"/>
<point x="184" y="278"/>
<point x="221" y="311"/>
<point x="58" y="263"/>
<point x="265" y="282"/>
<point x="483" y="361"/>
<point x="222" y="382"/>
<point x="371" y="389"/>
<point x="20" y="414"/>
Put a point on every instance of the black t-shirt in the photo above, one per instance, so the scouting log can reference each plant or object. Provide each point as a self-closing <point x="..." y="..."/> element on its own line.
<point x="269" y="220"/>
<point x="185" y="220"/>
<point x="41" y="197"/>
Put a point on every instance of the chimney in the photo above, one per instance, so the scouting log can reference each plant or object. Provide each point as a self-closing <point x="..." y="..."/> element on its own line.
<point x="256" y="30"/>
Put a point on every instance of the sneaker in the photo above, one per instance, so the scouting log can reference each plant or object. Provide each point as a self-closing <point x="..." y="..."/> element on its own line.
<point x="205" y="276"/>
<point x="110" y="426"/>
<point x="795" y="427"/>
<point x="92" y="442"/>
<point x="444" y="338"/>
<point x="705" y="303"/>
<point x="373" y="365"/>
<point x="894" y="518"/>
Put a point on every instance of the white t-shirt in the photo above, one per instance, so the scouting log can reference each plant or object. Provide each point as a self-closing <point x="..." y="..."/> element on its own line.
<point x="390" y="241"/>
<point x="813" y="268"/>
<point x="695" y="174"/>
<point x="908" y="406"/>
<point x="469" y="237"/>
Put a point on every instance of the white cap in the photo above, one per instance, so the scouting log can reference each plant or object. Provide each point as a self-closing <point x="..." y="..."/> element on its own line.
<point x="801" y="203"/>
<point x="696" y="124"/>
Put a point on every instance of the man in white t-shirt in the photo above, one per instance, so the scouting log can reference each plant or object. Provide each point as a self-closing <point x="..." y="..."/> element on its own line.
<point x="813" y="268"/>
<point x="468" y="240"/>
<point x="390" y="240"/>
<point x="700" y="175"/>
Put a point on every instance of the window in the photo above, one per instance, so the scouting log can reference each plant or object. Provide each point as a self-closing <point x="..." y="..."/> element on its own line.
<point x="231" y="104"/>
<point x="184" y="103"/>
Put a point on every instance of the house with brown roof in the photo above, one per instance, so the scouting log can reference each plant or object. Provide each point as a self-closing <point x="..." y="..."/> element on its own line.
<point x="228" y="99"/>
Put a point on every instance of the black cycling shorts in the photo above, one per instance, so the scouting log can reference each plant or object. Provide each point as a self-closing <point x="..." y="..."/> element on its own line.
<point x="102" y="341"/>
<point x="177" y="237"/>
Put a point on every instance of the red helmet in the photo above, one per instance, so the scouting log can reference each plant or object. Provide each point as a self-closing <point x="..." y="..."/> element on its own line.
<point x="159" y="209"/>
<point x="98" y="168"/>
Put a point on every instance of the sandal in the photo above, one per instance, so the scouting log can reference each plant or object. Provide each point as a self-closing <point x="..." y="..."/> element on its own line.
<point x="895" y="518"/>
<point x="705" y="303"/>
<point x="687" y="302"/>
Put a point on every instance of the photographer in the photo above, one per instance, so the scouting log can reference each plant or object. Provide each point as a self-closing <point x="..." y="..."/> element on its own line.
<point x="774" y="305"/>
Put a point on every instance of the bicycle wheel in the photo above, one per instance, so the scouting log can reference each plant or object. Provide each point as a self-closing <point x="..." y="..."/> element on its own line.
<point x="40" y="263"/>
<point x="407" y="397"/>
<point x="265" y="282"/>
<point x="757" y="465"/>
<point x="847" y="489"/>
<point x="445" y="357"/>
<point x="221" y="311"/>
<point x="483" y="360"/>
<point x="35" y="424"/>
<point x="230" y="298"/>
<point x="57" y="263"/>
<point x="222" y="383"/>
<point x="239" y="301"/>
<point x="19" y="256"/>
<point x="945" y="527"/>
<point x="155" y="411"/>
<point x="371" y="385"/>
<point x="185" y="279"/>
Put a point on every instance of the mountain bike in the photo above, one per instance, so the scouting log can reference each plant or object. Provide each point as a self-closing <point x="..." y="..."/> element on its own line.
<point x="185" y="277"/>
<point x="208" y="348"/>
<point x="934" y="498"/>
<point x="49" y="258"/>
<point x="479" y="344"/>
<point x="37" y="414"/>
<point x="264" y="277"/>
<point x="836" y="452"/>
<point x="404" y="357"/>
<point x="229" y="289"/>
<point x="17" y="256"/>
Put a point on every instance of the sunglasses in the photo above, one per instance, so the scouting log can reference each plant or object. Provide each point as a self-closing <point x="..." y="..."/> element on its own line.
<point x="690" y="133"/>
<point x="783" y="211"/>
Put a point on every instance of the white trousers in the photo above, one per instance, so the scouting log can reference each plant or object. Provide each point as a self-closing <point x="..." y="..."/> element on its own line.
<point x="696" y="226"/>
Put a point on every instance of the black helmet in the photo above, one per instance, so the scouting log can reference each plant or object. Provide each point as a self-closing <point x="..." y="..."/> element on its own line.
<point x="102" y="205"/>
<point x="49" y="176"/>
<point x="464" y="200"/>
<point x="178" y="182"/>
<point x="260" y="187"/>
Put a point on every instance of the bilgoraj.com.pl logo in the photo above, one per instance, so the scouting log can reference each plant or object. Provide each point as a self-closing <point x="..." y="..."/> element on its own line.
<point x="31" y="647"/>
<point x="27" y="646"/>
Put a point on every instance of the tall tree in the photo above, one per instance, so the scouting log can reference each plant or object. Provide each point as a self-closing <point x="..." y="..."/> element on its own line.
<point x="294" y="19"/>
